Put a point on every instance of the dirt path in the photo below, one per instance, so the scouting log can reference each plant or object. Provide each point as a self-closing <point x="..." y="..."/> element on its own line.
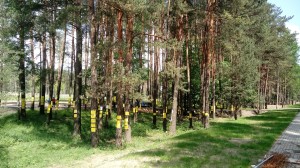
<point x="118" y="159"/>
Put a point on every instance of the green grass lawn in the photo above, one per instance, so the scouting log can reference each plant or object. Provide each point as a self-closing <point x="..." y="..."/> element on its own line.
<point x="227" y="143"/>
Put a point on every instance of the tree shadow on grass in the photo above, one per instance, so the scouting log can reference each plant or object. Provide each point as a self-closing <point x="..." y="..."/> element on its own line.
<point x="276" y="115"/>
<point x="198" y="149"/>
<point x="60" y="128"/>
<point x="225" y="144"/>
<point x="35" y="128"/>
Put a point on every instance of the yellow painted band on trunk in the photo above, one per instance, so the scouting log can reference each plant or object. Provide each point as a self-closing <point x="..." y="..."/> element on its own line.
<point x="190" y="115"/>
<point x="93" y="129"/>
<point x="118" y="125"/>
<point x="23" y="103"/>
<point x="119" y="117"/>
<point x="127" y="113"/>
<point x="93" y="120"/>
<point x="154" y="114"/>
<point x="126" y="123"/>
<point x="42" y="100"/>
<point x="75" y="115"/>
<point x="93" y="125"/>
<point x="164" y="115"/>
<point x="206" y="114"/>
<point x="48" y="109"/>
<point x="93" y="113"/>
<point x="75" y="111"/>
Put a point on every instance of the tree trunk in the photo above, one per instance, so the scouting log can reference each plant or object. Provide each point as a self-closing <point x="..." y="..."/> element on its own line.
<point x="94" y="75"/>
<point x="188" y="74"/>
<point x="86" y="63"/>
<point x="155" y="84"/>
<point x="176" y="58"/>
<point x="128" y="63"/>
<point x="52" y="62"/>
<point x="70" y="101"/>
<point x="119" y="87"/>
<point x="32" y="70"/>
<point x="110" y="67"/>
<point x="277" y="90"/>
<point x="78" y="73"/>
<point x="266" y="88"/>
<point x="43" y="76"/>
<point x="1" y="81"/>
<point x="61" y="66"/>
<point x="208" y="53"/>
<point x="174" y="107"/>
<point x="22" y="114"/>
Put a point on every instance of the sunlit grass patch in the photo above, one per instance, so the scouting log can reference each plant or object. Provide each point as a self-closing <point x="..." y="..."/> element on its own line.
<point x="227" y="143"/>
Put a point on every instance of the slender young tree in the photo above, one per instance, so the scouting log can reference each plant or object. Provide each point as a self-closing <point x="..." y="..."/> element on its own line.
<point x="32" y="70"/>
<point x="43" y="75"/>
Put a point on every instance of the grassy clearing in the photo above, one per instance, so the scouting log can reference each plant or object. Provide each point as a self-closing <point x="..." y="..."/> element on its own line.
<point x="227" y="143"/>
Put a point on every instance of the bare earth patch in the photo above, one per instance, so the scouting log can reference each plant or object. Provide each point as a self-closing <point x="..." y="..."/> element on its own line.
<point x="110" y="160"/>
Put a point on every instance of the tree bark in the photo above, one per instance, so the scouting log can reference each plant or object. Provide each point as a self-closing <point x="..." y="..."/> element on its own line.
<point x="86" y="63"/>
<point x="155" y="84"/>
<point x="176" y="58"/>
<point x="52" y="62"/>
<point x="277" y="90"/>
<point x="78" y="73"/>
<point x="43" y="75"/>
<point x="94" y="75"/>
<point x="70" y="101"/>
<point x="61" y="66"/>
<point x="1" y="80"/>
<point x="174" y="106"/>
<point x="22" y="75"/>
<point x="188" y="74"/>
<point x="110" y="66"/>
<point x="128" y="63"/>
<point x="208" y="53"/>
<point x="119" y="87"/>
<point x="32" y="70"/>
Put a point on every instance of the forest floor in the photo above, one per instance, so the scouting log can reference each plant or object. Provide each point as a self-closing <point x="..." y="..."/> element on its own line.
<point x="227" y="143"/>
